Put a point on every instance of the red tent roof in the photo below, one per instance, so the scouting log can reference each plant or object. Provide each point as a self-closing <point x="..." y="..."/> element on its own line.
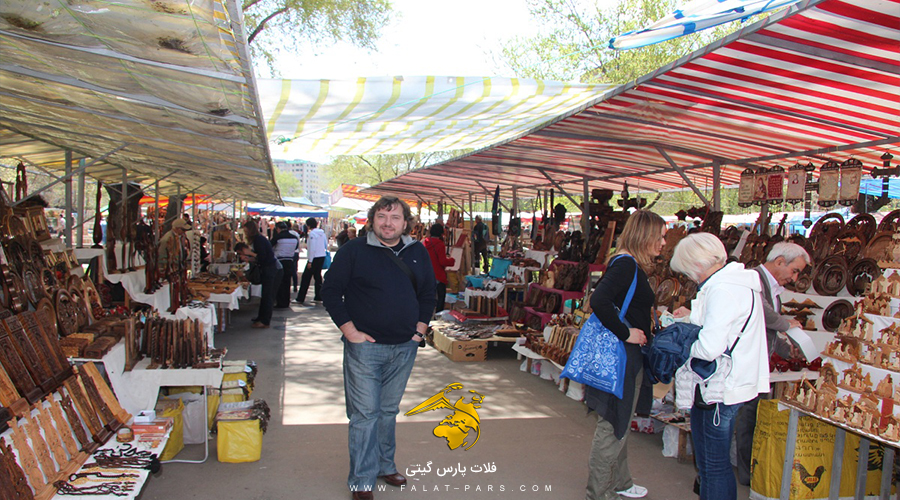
<point x="816" y="82"/>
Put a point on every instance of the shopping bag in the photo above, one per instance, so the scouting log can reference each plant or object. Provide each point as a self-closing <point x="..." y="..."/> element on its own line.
<point x="327" y="262"/>
<point x="598" y="359"/>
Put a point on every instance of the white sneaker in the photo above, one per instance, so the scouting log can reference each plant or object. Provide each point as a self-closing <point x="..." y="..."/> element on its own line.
<point x="634" y="492"/>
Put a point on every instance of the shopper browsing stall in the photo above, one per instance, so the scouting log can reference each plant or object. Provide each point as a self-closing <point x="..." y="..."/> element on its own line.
<point x="316" y="248"/>
<point x="173" y="245"/>
<point x="286" y="245"/>
<point x="783" y="265"/>
<point x="729" y="310"/>
<point x="641" y="241"/>
<point x="439" y="260"/>
<point x="270" y="271"/>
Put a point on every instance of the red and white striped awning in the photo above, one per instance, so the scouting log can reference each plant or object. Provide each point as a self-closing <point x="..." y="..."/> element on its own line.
<point x="817" y="82"/>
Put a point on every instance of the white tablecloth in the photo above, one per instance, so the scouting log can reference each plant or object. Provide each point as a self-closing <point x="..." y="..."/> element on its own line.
<point x="138" y="389"/>
<point x="230" y="300"/>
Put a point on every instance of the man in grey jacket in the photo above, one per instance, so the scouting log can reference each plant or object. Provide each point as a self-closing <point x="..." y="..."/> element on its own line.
<point x="783" y="265"/>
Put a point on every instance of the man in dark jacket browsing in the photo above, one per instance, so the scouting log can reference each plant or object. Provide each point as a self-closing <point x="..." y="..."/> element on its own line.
<point x="380" y="292"/>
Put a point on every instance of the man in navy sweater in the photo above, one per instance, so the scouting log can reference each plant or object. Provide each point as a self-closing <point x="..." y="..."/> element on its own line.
<point x="380" y="292"/>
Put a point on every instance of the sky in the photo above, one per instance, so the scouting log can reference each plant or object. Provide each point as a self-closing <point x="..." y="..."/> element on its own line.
<point x="425" y="38"/>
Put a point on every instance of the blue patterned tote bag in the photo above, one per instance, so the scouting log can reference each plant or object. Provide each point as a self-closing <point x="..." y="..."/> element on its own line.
<point x="598" y="358"/>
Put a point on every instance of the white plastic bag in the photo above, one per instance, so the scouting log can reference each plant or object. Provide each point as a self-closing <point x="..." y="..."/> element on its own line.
<point x="194" y="417"/>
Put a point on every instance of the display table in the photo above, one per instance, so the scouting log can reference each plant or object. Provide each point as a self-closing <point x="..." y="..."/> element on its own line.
<point x="134" y="282"/>
<point x="865" y="440"/>
<point x="138" y="389"/>
<point x="86" y="254"/>
<point x="143" y="474"/>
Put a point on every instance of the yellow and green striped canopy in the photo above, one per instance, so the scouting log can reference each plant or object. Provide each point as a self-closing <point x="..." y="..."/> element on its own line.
<point x="307" y="118"/>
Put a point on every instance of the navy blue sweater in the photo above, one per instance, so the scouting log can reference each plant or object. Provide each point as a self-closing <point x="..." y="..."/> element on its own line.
<point x="365" y="286"/>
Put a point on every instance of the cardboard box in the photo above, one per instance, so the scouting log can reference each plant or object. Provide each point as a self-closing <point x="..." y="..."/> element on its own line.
<point x="460" y="350"/>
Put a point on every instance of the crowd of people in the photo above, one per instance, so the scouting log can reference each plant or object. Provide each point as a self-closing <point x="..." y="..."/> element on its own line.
<point x="384" y="269"/>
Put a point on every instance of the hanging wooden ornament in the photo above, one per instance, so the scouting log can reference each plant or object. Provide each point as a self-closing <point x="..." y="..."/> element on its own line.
<point x="851" y="173"/>
<point x="829" y="184"/>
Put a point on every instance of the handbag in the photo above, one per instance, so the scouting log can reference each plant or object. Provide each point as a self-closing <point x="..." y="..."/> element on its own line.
<point x="598" y="358"/>
<point x="254" y="274"/>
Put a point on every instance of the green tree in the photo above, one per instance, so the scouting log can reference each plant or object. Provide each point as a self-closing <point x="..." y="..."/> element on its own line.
<point x="573" y="45"/>
<point x="373" y="169"/>
<point x="288" y="185"/>
<point x="289" y="26"/>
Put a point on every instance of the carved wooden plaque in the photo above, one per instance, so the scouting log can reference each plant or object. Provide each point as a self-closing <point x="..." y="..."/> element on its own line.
<point x="60" y="363"/>
<point x="62" y="426"/>
<point x="90" y="370"/>
<point x="74" y="421"/>
<point x="106" y="416"/>
<point x="39" y="445"/>
<point x="15" y="368"/>
<point x="27" y="458"/>
<point x="73" y="387"/>
<point x="35" y="362"/>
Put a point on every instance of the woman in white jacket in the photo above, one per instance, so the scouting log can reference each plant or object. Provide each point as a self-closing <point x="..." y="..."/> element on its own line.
<point x="729" y="309"/>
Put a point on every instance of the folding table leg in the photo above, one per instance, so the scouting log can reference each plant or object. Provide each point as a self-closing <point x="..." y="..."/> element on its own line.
<point x="834" y="489"/>
<point x="862" y="468"/>
<point x="789" y="447"/>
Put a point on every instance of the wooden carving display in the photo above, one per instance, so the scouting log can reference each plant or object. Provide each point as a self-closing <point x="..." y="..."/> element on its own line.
<point x="39" y="446"/>
<point x="62" y="426"/>
<point x="13" y="484"/>
<point x="51" y="435"/>
<point x="36" y="363"/>
<point x="46" y="316"/>
<point x="9" y="396"/>
<point x="73" y="387"/>
<point x="74" y="421"/>
<point x="106" y="415"/>
<point x="89" y="370"/>
<point x="26" y="458"/>
<point x="62" y="369"/>
<point x="66" y="313"/>
<point x="15" y="368"/>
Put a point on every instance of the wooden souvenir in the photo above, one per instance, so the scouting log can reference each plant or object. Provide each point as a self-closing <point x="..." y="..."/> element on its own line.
<point x="9" y="396"/>
<point x="829" y="184"/>
<point x="74" y="421"/>
<point x="80" y="308"/>
<point x="885" y="388"/>
<point x="106" y="415"/>
<point x="90" y="370"/>
<point x="39" y="446"/>
<point x="42" y="419"/>
<point x="851" y="173"/>
<point x="99" y="347"/>
<point x="36" y="362"/>
<point x="87" y="412"/>
<point x="46" y="316"/>
<point x="15" y="368"/>
<point x="34" y="286"/>
<point x="15" y="485"/>
<point x="62" y="426"/>
<point x="133" y="352"/>
<point x="62" y="367"/>
<point x="891" y="428"/>
<point x="66" y="313"/>
<point x="18" y="297"/>
<point x="26" y="458"/>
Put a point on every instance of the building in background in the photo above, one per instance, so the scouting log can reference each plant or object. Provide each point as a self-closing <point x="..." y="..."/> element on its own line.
<point x="310" y="176"/>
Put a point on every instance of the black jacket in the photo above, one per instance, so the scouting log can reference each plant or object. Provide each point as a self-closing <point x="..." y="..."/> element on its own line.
<point x="609" y="294"/>
<point x="366" y="286"/>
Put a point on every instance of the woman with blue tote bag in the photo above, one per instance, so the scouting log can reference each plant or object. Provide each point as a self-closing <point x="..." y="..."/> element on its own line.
<point x="640" y="243"/>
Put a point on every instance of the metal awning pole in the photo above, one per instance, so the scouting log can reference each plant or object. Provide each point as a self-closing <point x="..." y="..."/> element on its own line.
<point x="717" y="186"/>
<point x="194" y="209"/>
<point x="156" y="209"/>
<point x="79" y="231"/>
<point x="586" y="212"/>
<point x="68" y="203"/>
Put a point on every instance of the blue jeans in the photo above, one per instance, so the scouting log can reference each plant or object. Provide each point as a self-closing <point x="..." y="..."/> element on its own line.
<point x="375" y="377"/>
<point x="711" y="432"/>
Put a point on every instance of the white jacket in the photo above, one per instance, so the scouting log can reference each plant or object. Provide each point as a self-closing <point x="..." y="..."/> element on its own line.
<point x="721" y="308"/>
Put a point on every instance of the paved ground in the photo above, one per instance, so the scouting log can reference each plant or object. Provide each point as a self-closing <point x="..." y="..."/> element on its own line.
<point x="536" y="439"/>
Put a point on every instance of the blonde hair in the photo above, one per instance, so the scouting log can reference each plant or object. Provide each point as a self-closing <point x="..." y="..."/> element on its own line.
<point x="696" y="254"/>
<point x="642" y="230"/>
